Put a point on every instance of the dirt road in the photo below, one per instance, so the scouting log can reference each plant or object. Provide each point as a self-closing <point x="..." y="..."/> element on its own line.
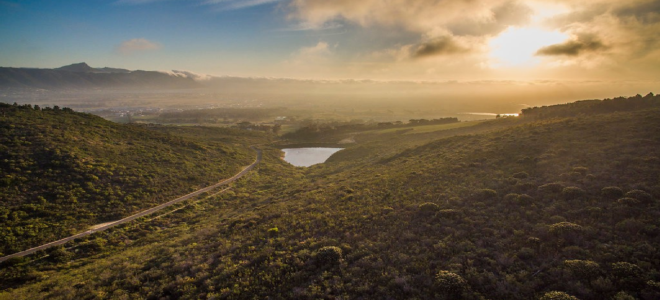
<point x="105" y="226"/>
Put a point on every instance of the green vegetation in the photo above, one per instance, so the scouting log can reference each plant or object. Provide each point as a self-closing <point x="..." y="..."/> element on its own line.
<point x="513" y="208"/>
<point x="424" y="128"/>
<point x="63" y="171"/>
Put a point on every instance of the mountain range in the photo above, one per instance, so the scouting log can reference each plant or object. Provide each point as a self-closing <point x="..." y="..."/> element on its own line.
<point x="82" y="76"/>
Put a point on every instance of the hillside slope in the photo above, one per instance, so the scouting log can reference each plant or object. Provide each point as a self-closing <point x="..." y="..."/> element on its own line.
<point x="567" y="204"/>
<point x="63" y="171"/>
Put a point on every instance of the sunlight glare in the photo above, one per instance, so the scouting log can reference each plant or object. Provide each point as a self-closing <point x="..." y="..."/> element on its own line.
<point x="517" y="46"/>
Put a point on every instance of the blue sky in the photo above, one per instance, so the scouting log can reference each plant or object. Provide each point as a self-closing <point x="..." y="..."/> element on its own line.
<point x="188" y="34"/>
<point x="322" y="39"/>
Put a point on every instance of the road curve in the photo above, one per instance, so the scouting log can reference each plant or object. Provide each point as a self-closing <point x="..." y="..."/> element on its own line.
<point x="140" y="214"/>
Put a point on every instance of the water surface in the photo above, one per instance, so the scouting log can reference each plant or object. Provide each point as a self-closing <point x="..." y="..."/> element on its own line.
<point x="305" y="157"/>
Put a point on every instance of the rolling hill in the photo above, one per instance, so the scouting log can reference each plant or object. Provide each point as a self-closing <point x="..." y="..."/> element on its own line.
<point x="562" y="205"/>
<point x="63" y="171"/>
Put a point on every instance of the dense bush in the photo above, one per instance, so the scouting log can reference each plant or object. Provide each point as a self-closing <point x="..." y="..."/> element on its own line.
<point x="583" y="269"/>
<point x="485" y="194"/>
<point x="329" y="255"/>
<point x="555" y="295"/>
<point x="640" y="195"/>
<point x="573" y="193"/>
<point x="612" y="192"/>
<point x="428" y="208"/>
<point x="520" y="175"/>
<point x="551" y="188"/>
<point x="450" y="283"/>
<point x="628" y="201"/>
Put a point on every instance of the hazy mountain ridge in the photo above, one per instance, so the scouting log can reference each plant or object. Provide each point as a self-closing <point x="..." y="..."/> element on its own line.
<point x="82" y="76"/>
<point x="85" y="68"/>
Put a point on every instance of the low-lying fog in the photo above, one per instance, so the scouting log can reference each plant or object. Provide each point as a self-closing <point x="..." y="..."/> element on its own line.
<point x="348" y="99"/>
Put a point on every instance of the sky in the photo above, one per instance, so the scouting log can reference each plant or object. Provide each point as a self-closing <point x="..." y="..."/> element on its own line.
<point x="413" y="40"/>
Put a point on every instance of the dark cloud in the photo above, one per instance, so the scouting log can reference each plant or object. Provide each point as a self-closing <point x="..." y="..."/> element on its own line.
<point x="438" y="46"/>
<point x="647" y="12"/>
<point x="585" y="43"/>
<point x="511" y="13"/>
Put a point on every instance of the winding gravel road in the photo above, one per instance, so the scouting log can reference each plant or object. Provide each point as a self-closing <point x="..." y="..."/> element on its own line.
<point x="152" y="210"/>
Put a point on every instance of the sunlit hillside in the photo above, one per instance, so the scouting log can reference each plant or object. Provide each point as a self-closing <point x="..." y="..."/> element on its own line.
<point x="512" y="208"/>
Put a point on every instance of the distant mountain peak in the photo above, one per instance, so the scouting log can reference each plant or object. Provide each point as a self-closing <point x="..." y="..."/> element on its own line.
<point x="79" y="67"/>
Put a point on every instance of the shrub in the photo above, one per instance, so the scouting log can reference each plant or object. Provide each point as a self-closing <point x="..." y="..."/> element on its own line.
<point x="653" y="284"/>
<point x="564" y="228"/>
<point x="525" y="199"/>
<point x="526" y="253"/>
<point x="450" y="213"/>
<point x="511" y="198"/>
<point x="520" y="175"/>
<point x="640" y="195"/>
<point x="428" y="208"/>
<point x="329" y="255"/>
<point x="611" y="192"/>
<point x="623" y="296"/>
<point x="273" y="232"/>
<point x="486" y="194"/>
<point x="623" y="270"/>
<point x="450" y="283"/>
<point x="582" y="170"/>
<point x="551" y="188"/>
<point x="583" y="269"/>
<point x="387" y="210"/>
<point x="533" y="241"/>
<point x="628" y="201"/>
<point x="524" y="187"/>
<point x="554" y="295"/>
<point x="573" y="176"/>
<point x="572" y="193"/>
<point x="60" y="254"/>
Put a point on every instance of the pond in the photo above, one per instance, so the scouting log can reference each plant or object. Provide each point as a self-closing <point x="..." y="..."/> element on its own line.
<point x="305" y="157"/>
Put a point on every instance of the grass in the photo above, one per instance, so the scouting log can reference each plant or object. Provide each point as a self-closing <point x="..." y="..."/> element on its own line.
<point x="423" y="128"/>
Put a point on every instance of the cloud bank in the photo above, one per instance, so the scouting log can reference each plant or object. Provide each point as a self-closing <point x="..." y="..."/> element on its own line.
<point x="133" y="46"/>
<point x="607" y="34"/>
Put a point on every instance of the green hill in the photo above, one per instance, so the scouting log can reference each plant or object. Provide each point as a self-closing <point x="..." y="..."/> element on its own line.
<point x="514" y="209"/>
<point x="63" y="171"/>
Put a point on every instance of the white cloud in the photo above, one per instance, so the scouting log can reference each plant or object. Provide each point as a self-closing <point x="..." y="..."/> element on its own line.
<point x="320" y="49"/>
<point x="303" y="26"/>
<point x="312" y="57"/>
<point x="188" y="74"/>
<point x="136" y="45"/>
<point x="237" y="4"/>
<point x="222" y="5"/>
<point x="136" y="2"/>
<point x="475" y="16"/>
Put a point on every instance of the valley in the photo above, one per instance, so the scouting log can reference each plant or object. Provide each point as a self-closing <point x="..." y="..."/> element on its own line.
<point x="510" y="208"/>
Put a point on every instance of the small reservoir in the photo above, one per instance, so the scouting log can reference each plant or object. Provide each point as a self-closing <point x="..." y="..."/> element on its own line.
<point x="305" y="157"/>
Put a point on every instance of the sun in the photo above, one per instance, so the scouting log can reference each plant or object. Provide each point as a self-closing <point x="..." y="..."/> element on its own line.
<point x="515" y="47"/>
